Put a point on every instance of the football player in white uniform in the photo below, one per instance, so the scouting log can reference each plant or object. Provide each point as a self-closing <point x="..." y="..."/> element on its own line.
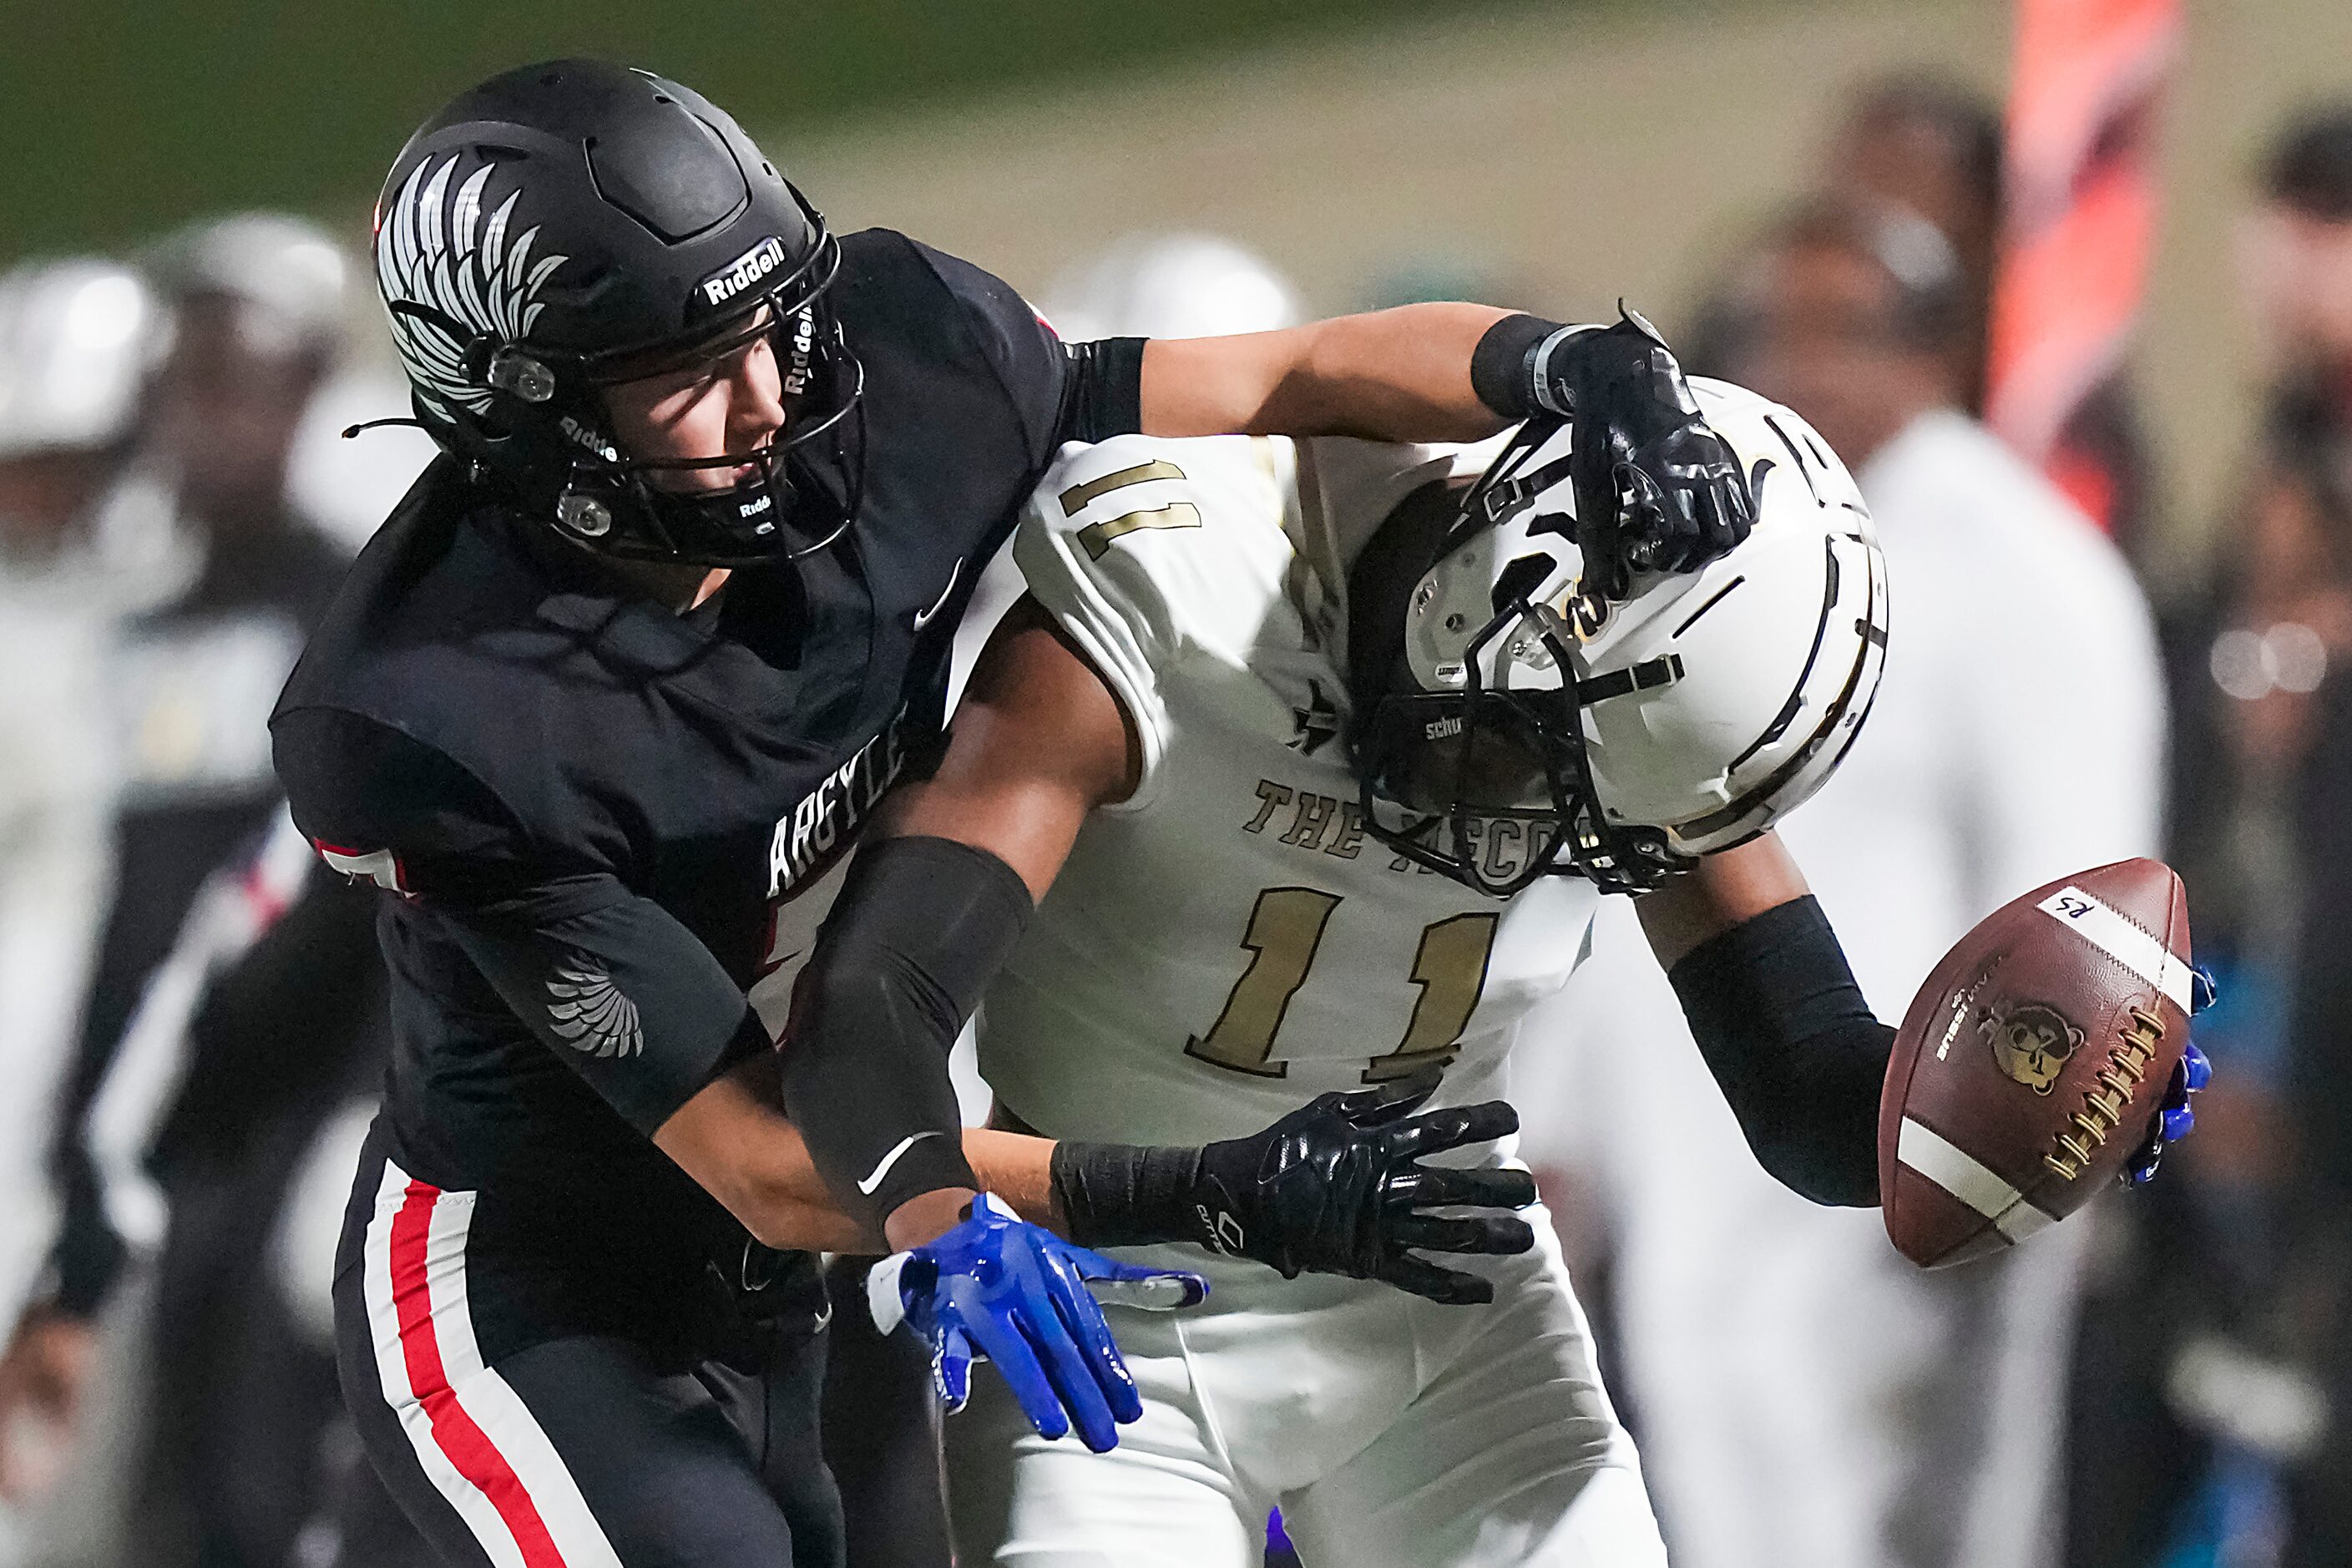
<point x="1294" y="733"/>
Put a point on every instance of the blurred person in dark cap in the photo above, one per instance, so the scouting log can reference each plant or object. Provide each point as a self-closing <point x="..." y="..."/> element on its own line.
<point x="1805" y="1396"/>
<point x="1936" y="145"/>
<point x="1933" y="145"/>
<point x="236" y="1003"/>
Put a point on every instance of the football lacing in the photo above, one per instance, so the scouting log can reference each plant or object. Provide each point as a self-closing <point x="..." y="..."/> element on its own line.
<point x="2104" y="1105"/>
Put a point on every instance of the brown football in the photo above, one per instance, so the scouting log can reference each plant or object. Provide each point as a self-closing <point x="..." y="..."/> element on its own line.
<point x="2032" y="1061"/>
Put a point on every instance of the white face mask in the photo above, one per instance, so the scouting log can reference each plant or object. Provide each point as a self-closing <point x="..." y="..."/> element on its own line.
<point x="2297" y="274"/>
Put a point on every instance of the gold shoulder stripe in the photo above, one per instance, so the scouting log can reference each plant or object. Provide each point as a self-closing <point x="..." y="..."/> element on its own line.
<point x="1074" y="499"/>
<point x="1097" y="536"/>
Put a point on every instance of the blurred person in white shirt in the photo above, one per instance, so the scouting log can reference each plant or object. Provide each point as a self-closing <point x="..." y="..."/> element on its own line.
<point x="1805" y="1396"/>
<point x="78" y="546"/>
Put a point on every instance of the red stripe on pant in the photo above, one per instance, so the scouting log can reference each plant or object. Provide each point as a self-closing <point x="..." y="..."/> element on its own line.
<point x="467" y="1447"/>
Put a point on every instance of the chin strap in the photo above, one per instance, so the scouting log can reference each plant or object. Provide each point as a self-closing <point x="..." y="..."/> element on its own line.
<point x="364" y="425"/>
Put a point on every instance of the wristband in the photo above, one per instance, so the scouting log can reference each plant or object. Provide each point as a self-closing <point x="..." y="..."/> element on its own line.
<point x="1502" y="366"/>
<point x="1121" y="1194"/>
<point x="885" y="1298"/>
<point x="1102" y="389"/>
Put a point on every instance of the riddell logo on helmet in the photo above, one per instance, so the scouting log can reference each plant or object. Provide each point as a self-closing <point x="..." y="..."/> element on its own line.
<point x="743" y="271"/>
<point x="589" y="438"/>
<point x="796" y="380"/>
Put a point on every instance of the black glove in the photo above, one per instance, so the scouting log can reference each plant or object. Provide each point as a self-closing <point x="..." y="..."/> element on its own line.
<point x="1657" y="489"/>
<point x="1335" y="1187"/>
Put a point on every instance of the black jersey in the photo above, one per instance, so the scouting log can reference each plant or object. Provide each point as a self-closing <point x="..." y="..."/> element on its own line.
<point x="608" y="823"/>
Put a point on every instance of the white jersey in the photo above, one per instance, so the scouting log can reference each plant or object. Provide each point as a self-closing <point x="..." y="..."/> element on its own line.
<point x="1229" y="941"/>
<point x="1221" y="948"/>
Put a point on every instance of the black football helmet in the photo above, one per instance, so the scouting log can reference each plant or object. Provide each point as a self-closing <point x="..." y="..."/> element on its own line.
<point x="567" y="225"/>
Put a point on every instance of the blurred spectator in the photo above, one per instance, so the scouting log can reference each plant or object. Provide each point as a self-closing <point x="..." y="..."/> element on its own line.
<point x="1807" y="1398"/>
<point x="1934" y="145"/>
<point x="72" y="336"/>
<point x="255" y="306"/>
<point x="2218" y="1341"/>
<point x="2296" y="255"/>
<point x="2217" y="1310"/>
<point x="236" y="1000"/>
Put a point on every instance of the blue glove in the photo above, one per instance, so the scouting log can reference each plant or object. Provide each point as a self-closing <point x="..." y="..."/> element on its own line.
<point x="2175" y="1119"/>
<point x="998" y="1289"/>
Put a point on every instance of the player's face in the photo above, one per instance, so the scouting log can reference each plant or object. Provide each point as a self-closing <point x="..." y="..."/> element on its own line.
<point x="733" y="402"/>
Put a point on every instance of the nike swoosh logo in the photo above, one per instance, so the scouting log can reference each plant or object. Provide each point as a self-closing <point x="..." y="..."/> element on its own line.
<point x="867" y="1187"/>
<point x="924" y="617"/>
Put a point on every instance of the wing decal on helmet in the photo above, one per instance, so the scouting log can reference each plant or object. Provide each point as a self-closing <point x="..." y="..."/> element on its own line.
<point x="433" y="252"/>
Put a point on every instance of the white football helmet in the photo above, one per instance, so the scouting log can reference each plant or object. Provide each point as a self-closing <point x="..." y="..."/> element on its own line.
<point x="1170" y="286"/>
<point x="1633" y="735"/>
<point x="75" y="341"/>
<point x="293" y="279"/>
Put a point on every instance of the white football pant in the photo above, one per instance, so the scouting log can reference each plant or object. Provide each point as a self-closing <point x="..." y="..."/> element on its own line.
<point x="1391" y="1430"/>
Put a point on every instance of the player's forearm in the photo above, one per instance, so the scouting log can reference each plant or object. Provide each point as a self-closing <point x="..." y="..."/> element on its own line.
<point x="1018" y="1168"/>
<point x="734" y="1140"/>
<point x="1794" y="1047"/>
<point x="1401" y="375"/>
<point x="921" y="926"/>
<point x="1724" y="891"/>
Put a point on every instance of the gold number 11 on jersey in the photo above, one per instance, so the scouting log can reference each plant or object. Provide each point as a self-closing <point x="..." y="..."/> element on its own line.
<point x="1285" y="928"/>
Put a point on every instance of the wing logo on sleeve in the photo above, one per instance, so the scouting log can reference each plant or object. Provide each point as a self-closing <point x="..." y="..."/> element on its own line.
<point x="588" y="1012"/>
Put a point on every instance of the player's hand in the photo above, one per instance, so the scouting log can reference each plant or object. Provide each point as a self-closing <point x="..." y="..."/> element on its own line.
<point x="42" y="1376"/>
<point x="1657" y="489"/>
<point x="1000" y="1290"/>
<point x="2175" y="1119"/>
<point x="1337" y="1188"/>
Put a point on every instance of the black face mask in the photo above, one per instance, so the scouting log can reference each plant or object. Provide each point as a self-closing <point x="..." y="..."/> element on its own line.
<point x="1436" y="767"/>
<point x="801" y="496"/>
<point x="805" y="484"/>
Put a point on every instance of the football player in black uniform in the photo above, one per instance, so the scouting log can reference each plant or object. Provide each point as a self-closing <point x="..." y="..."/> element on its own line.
<point x="607" y="702"/>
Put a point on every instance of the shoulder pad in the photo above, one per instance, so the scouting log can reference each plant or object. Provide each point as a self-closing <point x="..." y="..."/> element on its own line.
<point x="1147" y="552"/>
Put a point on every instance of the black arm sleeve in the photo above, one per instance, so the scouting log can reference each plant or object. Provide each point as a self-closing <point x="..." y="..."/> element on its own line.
<point x="1795" y="1048"/>
<point x="626" y="996"/>
<point x="921" y="927"/>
